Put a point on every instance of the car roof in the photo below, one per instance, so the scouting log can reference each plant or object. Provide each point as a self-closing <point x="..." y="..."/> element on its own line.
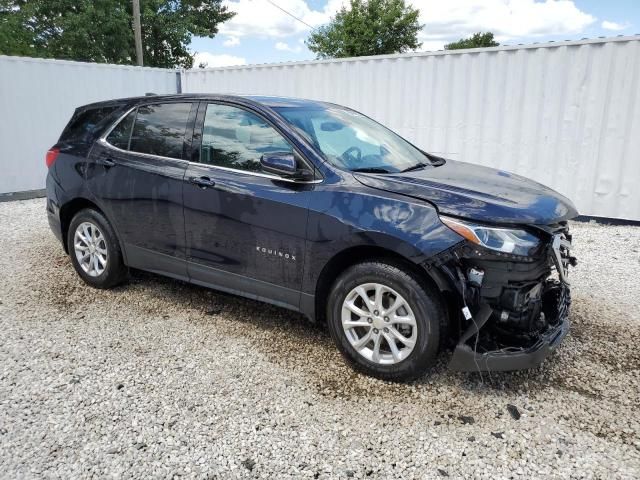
<point x="274" y="101"/>
<point x="265" y="100"/>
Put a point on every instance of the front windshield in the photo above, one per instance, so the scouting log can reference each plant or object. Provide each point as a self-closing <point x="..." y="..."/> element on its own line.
<point x="351" y="141"/>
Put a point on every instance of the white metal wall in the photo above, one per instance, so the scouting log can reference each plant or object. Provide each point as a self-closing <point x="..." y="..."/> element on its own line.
<point x="566" y="114"/>
<point x="37" y="98"/>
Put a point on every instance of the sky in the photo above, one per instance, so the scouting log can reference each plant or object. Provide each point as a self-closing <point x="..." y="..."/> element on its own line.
<point x="262" y="33"/>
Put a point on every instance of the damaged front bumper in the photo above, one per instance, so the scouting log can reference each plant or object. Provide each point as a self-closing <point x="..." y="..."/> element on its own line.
<point x="513" y="311"/>
<point x="467" y="358"/>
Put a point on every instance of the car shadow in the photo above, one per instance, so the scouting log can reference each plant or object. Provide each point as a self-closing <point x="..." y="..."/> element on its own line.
<point x="295" y="342"/>
<point x="594" y="356"/>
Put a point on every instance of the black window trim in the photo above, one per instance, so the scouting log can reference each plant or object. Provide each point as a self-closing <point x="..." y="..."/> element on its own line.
<point x="187" y="136"/>
<point x="199" y="127"/>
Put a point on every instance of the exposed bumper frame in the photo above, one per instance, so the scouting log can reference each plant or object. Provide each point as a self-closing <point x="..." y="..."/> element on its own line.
<point x="466" y="359"/>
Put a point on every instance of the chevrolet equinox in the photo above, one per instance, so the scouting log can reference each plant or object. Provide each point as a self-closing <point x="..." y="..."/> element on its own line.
<point x="317" y="208"/>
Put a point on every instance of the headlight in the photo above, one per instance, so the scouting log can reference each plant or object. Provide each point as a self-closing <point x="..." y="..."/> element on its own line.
<point x="506" y="240"/>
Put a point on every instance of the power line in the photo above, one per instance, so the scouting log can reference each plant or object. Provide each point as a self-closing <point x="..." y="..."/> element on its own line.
<point x="291" y="14"/>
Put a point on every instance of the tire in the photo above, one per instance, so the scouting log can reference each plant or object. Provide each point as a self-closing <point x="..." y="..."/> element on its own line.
<point x="420" y="304"/>
<point x="103" y="243"/>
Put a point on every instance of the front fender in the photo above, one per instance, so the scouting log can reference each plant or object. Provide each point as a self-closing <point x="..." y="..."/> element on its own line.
<point x="340" y="219"/>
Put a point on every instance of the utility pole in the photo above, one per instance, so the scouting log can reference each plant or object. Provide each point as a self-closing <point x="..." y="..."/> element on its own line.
<point x="137" y="31"/>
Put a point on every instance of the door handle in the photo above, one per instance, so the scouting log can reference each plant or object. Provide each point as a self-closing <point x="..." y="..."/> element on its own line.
<point x="202" y="182"/>
<point x="107" y="162"/>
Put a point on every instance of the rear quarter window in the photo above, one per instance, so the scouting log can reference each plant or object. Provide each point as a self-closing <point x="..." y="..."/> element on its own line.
<point x="84" y="125"/>
<point x="121" y="133"/>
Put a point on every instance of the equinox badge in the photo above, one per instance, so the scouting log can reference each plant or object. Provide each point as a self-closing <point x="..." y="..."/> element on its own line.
<point x="276" y="253"/>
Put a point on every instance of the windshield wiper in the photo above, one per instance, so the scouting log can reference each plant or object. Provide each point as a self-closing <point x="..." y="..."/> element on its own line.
<point x="370" y="170"/>
<point x="417" y="166"/>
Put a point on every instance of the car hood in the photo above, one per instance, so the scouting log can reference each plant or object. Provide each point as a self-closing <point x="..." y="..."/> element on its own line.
<point x="478" y="193"/>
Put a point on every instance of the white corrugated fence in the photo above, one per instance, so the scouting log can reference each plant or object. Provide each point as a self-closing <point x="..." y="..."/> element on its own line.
<point x="566" y="114"/>
<point x="38" y="97"/>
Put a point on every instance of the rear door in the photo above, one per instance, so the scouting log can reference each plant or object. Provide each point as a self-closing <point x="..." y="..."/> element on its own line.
<point x="136" y="177"/>
<point x="245" y="229"/>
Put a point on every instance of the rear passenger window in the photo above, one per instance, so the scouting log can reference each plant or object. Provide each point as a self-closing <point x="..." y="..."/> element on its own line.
<point x="159" y="129"/>
<point x="121" y="134"/>
<point x="82" y="125"/>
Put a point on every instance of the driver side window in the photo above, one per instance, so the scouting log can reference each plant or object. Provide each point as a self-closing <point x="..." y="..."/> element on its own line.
<point x="236" y="138"/>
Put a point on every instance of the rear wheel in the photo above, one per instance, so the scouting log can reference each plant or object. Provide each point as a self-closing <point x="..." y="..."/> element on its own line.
<point x="94" y="250"/>
<point x="384" y="321"/>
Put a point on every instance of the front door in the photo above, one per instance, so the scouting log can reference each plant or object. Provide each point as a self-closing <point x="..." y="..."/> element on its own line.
<point x="137" y="177"/>
<point x="245" y="229"/>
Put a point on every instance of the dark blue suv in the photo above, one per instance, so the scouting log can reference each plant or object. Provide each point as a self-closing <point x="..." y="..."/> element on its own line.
<point x="319" y="209"/>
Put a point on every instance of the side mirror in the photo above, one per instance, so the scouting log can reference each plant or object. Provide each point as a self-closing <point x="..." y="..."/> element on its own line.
<point x="284" y="164"/>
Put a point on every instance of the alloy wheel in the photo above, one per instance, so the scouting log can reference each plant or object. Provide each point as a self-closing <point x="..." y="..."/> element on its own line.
<point x="379" y="323"/>
<point x="90" y="248"/>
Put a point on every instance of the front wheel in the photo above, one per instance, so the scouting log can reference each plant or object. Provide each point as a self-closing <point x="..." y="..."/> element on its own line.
<point x="384" y="321"/>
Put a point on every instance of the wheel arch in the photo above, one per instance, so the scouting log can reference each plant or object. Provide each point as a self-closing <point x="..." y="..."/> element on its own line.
<point x="71" y="208"/>
<point x="350" y="256"/>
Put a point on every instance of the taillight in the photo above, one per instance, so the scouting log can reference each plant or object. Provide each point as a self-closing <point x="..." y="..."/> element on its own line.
<point x="52" y="154"/>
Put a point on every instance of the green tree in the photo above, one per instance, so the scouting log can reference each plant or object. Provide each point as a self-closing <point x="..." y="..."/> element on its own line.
<point x="477" y="40"/>
<point x="368" y="27"/>
<point x="15" y="39"/>
<point x="102" y="30"/>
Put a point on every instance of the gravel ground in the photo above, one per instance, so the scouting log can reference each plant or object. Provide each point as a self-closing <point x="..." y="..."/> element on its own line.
<point x="158" y="378"/>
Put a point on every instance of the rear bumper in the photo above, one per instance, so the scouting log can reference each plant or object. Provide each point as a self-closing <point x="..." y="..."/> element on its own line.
<point x="55" y="225"/>
<point x="467" y="359"/>
<point x="53" y="208"/>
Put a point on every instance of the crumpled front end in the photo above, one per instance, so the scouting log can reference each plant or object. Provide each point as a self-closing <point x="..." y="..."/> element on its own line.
<point x="514" y="310"/>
